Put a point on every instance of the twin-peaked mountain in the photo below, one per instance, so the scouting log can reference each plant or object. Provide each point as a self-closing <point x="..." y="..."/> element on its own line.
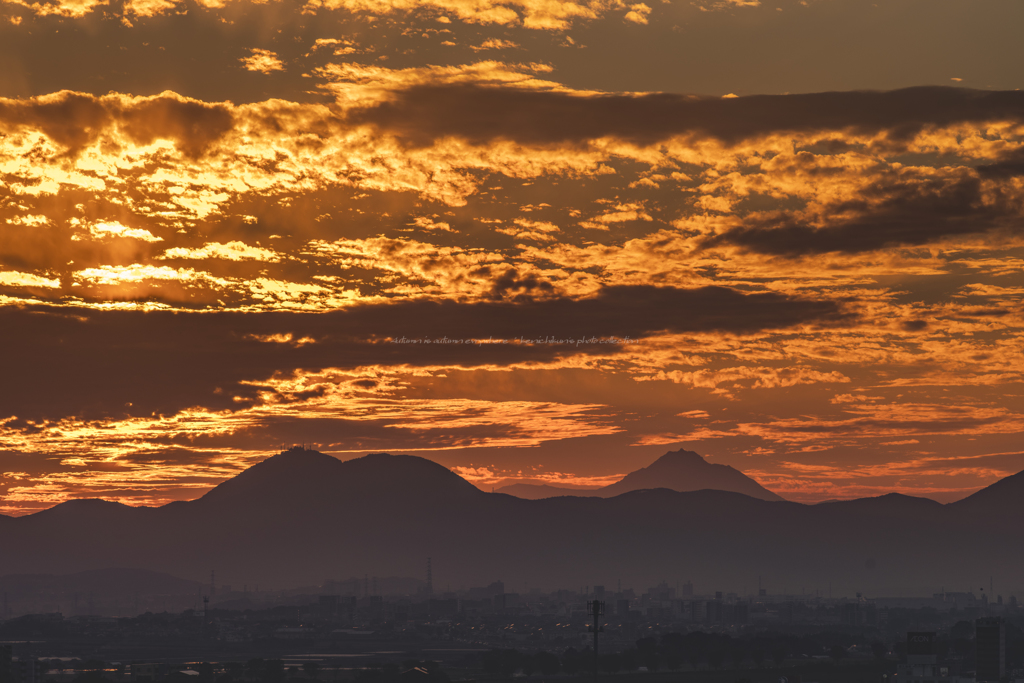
<point x="301" y="517"/>
<point x="677" y="470"/>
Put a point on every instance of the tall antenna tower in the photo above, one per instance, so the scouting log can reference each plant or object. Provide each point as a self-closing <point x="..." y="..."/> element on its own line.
<point x="213" y="582"/>
<point x="430" y="578"/>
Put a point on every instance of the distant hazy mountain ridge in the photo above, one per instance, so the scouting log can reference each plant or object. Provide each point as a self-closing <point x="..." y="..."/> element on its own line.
<point x="539" y="491"/>
<point x="677" y="470"/>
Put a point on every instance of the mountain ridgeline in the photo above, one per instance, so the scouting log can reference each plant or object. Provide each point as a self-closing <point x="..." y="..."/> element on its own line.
<point x="301" y="517"/>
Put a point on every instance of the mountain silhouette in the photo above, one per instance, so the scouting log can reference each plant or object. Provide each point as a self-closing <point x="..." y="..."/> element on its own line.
<point x="1006" y="497"/>
<point x="680" y="470"/>
<point x="303" y="477"/>
<point x="301" y="517"/>
<point x="687" y="471"/>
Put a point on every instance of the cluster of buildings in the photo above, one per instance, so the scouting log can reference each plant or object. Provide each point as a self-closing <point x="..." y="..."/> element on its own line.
<point x="347" y="617"/>
<point x="18" y="669"/>
<point x="923" y="664"/>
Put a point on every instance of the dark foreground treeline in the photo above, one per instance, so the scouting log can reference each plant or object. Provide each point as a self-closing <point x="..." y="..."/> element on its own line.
<point x="709" y="651"/>
<point x="693" y="651"/>
<point x="713" y="655"/>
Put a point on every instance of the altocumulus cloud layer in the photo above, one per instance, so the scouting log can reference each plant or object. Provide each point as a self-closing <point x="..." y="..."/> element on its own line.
<point x="404" y="229"/>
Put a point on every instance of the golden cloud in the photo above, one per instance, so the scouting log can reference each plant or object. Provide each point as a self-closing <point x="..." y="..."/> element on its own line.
<point x="231" y="251"/>
<point x="263" y="61"/>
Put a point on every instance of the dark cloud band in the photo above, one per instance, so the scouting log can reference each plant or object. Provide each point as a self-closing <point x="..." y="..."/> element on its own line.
<point x="110" y="363"/>
<point x="422" y="114"/>
<point x="887" y="214"/>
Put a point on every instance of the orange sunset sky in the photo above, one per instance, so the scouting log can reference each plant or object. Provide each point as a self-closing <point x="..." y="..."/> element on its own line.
<point x="786" y="235"/>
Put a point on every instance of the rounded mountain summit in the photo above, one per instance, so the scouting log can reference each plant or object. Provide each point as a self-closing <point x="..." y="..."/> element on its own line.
<point x="680" y="470"/>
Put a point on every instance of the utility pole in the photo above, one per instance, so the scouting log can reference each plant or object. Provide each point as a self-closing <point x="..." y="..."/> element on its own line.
<point x="595" y="608"/>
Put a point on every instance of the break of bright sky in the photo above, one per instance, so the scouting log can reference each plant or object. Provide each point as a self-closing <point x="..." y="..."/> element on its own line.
<point x="532" y="240"/>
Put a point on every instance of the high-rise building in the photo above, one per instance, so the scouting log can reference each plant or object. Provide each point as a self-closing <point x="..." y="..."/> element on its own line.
<point x="990" y="652"/>
<point x="377" y="607"/>
<point x="698" y="611"/>
<point x="713" y="613"/>
<point x="26" y="670"/>
<point x="922" y="664"/>
<point x="506" y="602"/>
<point x="921" y="647"/>
<point x="741" y="613"/>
